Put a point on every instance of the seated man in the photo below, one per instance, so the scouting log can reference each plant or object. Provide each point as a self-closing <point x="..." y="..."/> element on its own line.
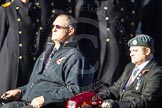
<point x="58" y="74"/>
<point x="140" y="85"/>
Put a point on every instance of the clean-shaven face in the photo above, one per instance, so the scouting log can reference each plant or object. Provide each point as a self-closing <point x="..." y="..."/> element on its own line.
<point x="138" y="54"/>
<point x="25" y="1"/>
<point x="60" y="29"/>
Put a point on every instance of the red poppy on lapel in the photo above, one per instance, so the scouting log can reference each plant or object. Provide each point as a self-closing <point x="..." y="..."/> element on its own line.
<point x="59" y="61"/>
<point x="144" y="72"/>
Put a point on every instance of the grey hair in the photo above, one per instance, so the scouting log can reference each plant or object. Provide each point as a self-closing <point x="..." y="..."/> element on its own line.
<point x="72" y="22"/>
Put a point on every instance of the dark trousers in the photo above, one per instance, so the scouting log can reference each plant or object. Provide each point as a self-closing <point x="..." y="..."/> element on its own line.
<point x="16" y="104"/>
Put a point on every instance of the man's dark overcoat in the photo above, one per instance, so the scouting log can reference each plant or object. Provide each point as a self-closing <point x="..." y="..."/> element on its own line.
<point x="118" y="20"/>
<point x="18" y="26"/>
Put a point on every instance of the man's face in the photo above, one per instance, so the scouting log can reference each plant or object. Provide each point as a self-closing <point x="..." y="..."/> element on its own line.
<point x="60" y="30"/>
<point x="139" y="54"/>
<point x="25" y="1"/>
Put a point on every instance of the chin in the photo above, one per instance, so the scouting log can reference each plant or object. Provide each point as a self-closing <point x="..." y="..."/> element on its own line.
<point x="133" y="62"/>
<point x="54" y="38"/>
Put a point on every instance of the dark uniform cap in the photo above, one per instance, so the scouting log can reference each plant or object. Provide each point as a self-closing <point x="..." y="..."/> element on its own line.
<point x="141" y="40"/>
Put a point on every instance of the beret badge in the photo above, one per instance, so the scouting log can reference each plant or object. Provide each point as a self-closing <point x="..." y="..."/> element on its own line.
<point x="134" y="42"/>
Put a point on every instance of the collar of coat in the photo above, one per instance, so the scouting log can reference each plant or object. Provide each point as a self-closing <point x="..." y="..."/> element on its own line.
<point x="146" y="69"/>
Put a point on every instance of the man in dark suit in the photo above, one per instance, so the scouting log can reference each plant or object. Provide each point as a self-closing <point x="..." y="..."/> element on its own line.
<point x="140" y="85"/>
<point x="59" y="72"/>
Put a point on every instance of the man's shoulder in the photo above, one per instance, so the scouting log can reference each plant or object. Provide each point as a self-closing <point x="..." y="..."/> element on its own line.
<point x="7" y="4"/>
<point x="72" y="48"/>
<point x="74" y="52"/>
<point x="129" y="65"/>
<point x="155" y="66"/>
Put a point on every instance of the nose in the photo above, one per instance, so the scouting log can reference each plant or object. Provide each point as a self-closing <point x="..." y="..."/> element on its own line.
<point x="54" y="29"/>
<point x="131" y="54"/>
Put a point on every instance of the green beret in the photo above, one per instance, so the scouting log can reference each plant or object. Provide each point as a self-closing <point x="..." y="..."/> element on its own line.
<point x="141" y="40"/>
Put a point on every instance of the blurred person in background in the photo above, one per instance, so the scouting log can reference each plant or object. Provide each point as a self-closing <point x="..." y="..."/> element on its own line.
<point x="19" y="23"/>
<point x="151" y="24"/>
<point x="117" y="22"/>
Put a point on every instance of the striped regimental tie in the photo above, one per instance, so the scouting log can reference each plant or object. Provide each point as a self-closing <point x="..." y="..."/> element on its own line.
<point x="133" y="76"/>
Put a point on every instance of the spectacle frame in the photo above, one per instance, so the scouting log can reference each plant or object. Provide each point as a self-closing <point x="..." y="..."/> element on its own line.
<point x="59" y="27"/>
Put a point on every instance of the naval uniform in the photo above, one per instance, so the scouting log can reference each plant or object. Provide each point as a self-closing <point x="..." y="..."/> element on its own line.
<point x="18" y="26"/>
<point x="87" y="33"/>
<point x="117" y="24"/>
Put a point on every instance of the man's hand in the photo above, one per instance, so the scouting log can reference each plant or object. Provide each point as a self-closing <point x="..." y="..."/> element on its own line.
<point x="12" y="94"/>
<point x="109" y="104"/>
<point x="38" y="102"/>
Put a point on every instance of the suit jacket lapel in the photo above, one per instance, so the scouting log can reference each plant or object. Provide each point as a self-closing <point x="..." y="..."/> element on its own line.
<point x="141" y="74"/>
<point x="129" y="72"/>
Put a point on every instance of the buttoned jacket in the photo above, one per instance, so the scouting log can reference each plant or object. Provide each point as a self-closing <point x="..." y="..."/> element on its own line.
<point x="144" y="92"/>
<point x="18" y="26"/>
<point x="67" y="74"/>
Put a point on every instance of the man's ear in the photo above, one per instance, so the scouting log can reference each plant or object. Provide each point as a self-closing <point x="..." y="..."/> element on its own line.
<point x="71" y="31"/>
<point x="148" y="51"/>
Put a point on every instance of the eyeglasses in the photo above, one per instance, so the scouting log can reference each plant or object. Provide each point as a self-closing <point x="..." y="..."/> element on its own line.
<point x="59" y="27"/>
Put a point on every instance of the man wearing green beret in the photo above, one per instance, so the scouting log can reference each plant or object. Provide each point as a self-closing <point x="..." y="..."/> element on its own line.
<point x="140" y="85"/>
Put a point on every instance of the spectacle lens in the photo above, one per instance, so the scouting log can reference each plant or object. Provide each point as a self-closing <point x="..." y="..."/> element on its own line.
<point x="59" y="27"/>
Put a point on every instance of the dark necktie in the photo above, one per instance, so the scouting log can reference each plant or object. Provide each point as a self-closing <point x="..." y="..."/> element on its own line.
<point x="49" y="58"/>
